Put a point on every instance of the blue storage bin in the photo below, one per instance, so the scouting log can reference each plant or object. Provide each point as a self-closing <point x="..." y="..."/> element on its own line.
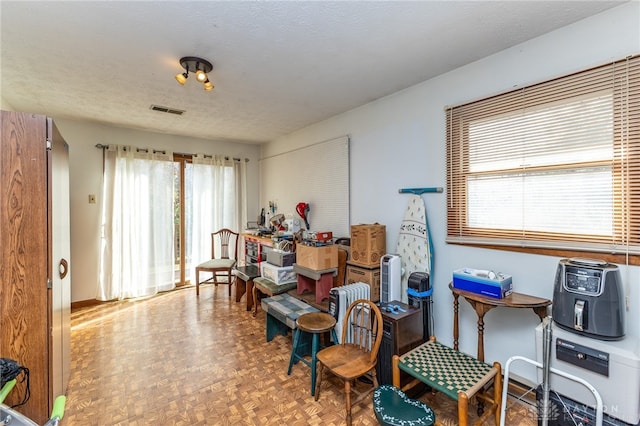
<point x="478" y="281"/>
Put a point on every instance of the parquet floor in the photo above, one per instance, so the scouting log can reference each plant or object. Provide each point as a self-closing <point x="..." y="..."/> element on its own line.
<point x="178" y="359"/>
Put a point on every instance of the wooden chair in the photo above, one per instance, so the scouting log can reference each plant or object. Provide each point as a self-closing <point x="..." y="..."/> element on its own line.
<point x="356" y="356"/>
<point x="220" y="266"/>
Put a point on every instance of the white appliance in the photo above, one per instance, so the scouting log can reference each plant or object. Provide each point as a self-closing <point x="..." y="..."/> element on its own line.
<point x="390" y="278"/>
<point x="341" y="297"/>
<point x="612" y="367"/>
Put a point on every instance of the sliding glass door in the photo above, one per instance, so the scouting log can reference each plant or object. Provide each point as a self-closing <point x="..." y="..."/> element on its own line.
<point x="210" y="194"/>
<point x="158" y="214"/>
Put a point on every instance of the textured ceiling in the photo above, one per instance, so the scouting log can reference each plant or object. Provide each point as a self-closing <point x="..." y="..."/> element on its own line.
<point x="278" y="66"/>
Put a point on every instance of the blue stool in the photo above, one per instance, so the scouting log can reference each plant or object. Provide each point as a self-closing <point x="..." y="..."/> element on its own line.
<point x="314" y="323"/>
<point x="394" y="408"/>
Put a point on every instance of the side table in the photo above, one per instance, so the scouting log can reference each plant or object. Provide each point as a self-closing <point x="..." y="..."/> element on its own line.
<point x="483" y="304"/>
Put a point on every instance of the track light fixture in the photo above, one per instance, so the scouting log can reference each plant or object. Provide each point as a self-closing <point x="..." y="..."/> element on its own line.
<point x="200" y="67"/>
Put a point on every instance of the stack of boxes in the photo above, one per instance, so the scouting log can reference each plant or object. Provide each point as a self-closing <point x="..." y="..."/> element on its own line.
<point x="279" y="267"/>
<point x="368" y="245"/>
<point x="317" y="258"/>
<point x="316" y="264"/>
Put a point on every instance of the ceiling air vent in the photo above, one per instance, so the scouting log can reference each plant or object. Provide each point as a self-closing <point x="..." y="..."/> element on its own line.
<point x="167" y="110"/>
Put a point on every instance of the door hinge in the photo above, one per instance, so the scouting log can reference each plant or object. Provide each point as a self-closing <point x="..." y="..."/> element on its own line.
<point x="49" y="144"/>
<point x="49" y="283"/>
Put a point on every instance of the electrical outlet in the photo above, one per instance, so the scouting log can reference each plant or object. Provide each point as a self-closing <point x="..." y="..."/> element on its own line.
<point x="92" y="199"/>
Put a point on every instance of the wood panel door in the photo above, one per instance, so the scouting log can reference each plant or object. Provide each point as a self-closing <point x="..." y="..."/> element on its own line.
<point x="26" y="237"/>
<point x="59" y="261"/>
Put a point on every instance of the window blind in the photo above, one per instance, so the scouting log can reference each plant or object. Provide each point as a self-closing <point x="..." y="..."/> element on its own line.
<point x="554" y="165"/>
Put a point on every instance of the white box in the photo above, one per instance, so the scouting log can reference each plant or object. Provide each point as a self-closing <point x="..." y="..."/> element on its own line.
<point x="278" y="274"/>
<point x="620" y="390"/>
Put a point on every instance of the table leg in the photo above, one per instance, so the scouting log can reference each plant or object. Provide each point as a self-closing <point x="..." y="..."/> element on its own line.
<point x="541" y="311"/>
<point x="395" y="371"/>
<point x="480" y="309"/>
<point x="456" y="331"/>
<point x="197" y="281"/>
<point x="256" y="300"/>
<point x="497" y="392"/>
<point x="480" y="313"/>
<point x="250" y="297"/>
<point x="463" y="408"/>
<point x="241" y="288"/>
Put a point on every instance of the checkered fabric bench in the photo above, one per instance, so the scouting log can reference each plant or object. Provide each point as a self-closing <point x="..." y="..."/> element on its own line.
<point x="282" y="312"/>
<point x="456" y="374"/>
<point x="264" y="286"/>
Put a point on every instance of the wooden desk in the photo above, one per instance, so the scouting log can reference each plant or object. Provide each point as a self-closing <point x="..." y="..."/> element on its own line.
<point x="253" y="247"/>
<point x="483" y="304"/>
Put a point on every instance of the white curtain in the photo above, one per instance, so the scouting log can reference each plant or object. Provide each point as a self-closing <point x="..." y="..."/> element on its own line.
<point x="218" y="200"/>
<point x="137" y="244"/>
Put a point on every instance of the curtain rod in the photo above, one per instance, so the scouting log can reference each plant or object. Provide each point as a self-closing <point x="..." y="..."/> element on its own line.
<point x="101" y="146"/>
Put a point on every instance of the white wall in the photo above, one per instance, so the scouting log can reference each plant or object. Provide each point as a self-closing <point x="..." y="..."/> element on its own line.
<point x="85" y="176"/>
<point x="5" y="105"/>
<point x="399" y="142"/>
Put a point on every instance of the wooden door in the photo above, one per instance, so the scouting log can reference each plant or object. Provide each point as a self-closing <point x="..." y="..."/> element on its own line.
<point x="59" y="262"/>
<point x="25" y="251"/>
<point x="24" y="245"/>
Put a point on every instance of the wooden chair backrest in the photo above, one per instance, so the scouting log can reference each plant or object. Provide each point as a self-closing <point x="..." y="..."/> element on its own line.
<point x="363" y="328"/>
<point x="228" y="243"/>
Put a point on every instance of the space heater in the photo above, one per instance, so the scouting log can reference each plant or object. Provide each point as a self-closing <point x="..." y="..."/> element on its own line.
<point x="390" y="278"/>
<point x="341" y="297"/>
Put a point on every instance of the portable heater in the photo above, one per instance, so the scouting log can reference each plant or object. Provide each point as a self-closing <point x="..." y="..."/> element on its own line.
<point x="341" y="297"/>
<point x="390" y="278"/>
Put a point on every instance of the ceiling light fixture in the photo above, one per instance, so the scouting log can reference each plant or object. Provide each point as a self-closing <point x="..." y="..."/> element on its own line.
<point x="198" y="66"/>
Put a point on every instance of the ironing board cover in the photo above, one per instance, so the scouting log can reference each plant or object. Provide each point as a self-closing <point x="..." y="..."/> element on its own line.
<point x="414" y="242"/>
<point x="443" y="368"/>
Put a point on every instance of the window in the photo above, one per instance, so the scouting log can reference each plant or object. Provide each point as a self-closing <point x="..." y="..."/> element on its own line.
<point x="158" y="213"/>
<point x="554" y="165"/>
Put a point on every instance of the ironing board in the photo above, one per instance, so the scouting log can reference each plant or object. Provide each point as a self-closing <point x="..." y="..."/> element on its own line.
<point x="414" y="242"/>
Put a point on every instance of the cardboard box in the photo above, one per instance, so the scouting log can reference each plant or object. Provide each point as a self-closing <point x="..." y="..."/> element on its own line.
<point x="371" y="276"/>
<point x="368" y="244"/>
<point x="278" y="274"/>
<point x="281" y="258"/>
<point x="317" y="258"/>
<point x="476" y="281"/>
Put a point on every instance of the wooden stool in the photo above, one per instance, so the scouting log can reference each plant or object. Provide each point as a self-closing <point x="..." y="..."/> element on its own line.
<point x="394" y="408"/>
<point x="455" y="374"/>
<point x="268" y="287"/>
<point x="244" y="282"/>
<point x="315" y="323"/>
<point x="317" y="282"/>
